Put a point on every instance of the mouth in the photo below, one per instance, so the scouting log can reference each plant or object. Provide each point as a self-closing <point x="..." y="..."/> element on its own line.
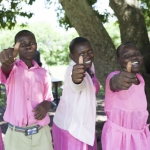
<point x="135" y="64"/>
<point x="29" y="53"/>
<point x="87" y="62"/>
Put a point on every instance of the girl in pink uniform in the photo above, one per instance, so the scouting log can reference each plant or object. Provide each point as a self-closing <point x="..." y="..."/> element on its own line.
<point x="126" y="105"/>
<point x="74" y="121"/>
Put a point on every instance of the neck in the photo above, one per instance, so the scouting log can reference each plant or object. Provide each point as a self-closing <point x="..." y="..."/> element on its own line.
<point x="27" y="62"/>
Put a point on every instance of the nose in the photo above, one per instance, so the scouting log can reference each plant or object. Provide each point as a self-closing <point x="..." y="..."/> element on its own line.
<point x="28" y="45"/>
<point x="134" y="56"/>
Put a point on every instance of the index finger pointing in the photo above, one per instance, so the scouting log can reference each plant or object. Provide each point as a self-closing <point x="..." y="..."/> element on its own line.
<point x="16" y="48"/>
<point x="80" y="59"/>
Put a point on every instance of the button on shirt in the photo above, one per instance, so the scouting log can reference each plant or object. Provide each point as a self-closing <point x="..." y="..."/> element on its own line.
<point x="25" y="89"/>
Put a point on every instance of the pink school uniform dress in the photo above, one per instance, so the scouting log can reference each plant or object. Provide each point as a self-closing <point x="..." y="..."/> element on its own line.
<point x="74" y="120"/>
<point x="1" y="141"/>
<point x="126" y="126"/>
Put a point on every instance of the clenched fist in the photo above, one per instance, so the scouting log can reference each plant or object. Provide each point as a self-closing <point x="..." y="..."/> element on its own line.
<point x="124" y="79"/>
<point x="7" y="56"/>
<point x="78" y="72"/>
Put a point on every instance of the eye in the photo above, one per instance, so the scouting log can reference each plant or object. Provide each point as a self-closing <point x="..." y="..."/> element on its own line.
<point x="138" y="54"/>
<point x="126" y="56"/>
<point x="90" y="51"/>
<point x="32" y="43"/>
<point x="22" y="44"/>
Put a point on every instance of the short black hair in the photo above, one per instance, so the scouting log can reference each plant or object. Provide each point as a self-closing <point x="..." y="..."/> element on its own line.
<point x="123" y="44"/>
<point x="76" y="41"/>
<point x="23" y="32"/>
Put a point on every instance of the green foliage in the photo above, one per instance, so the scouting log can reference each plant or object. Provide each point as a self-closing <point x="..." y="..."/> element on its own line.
<point x="92" y="2"/>
<point x="145" y="7"/>
<point x="64" y="20"/>
<point x="104" y="16"/>
<point x="10" y="10"/>
<point x="52" y="44"/>
<point x="113" y="30"/>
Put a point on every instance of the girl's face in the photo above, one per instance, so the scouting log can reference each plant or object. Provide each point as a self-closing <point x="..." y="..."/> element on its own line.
<point x="86" y="51"/>
<point x="130" y="53"/>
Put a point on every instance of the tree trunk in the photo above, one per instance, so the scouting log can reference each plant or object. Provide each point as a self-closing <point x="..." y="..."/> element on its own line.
<point x="88" y="25"/>
<point x="132" y="23"/>
<point x="133" y="28"/>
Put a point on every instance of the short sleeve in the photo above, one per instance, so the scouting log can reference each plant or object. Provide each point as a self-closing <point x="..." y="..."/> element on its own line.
<point x="48" y="88"/>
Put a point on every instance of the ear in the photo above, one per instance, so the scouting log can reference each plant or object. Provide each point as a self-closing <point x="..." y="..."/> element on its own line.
<point x="71" y="56"/>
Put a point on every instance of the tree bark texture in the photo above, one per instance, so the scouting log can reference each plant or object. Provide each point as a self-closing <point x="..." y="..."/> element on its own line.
<point x="131" y="23"/>
<point x="133" y="28"/>
<point x="88" y="25"/>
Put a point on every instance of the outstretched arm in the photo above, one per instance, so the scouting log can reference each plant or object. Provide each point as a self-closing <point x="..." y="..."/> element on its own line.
<point x="123" y="80"/>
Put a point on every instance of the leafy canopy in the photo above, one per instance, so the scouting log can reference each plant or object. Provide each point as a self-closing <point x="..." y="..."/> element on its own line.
<point x="10" y="10"/>
<point x="103" y="16"/>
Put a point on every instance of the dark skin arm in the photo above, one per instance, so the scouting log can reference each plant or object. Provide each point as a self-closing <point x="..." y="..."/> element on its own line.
<point x="123" y="81"/>
<point x="41" y="110"/>
<point x="78" y="71"/>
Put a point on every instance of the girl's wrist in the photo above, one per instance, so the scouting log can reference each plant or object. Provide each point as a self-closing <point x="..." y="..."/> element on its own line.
<point x="114" y="83"/>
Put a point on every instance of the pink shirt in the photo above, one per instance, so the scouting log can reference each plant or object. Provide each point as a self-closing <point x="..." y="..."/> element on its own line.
<point x="76" y="111"/>
<point x="26" y="88"/>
